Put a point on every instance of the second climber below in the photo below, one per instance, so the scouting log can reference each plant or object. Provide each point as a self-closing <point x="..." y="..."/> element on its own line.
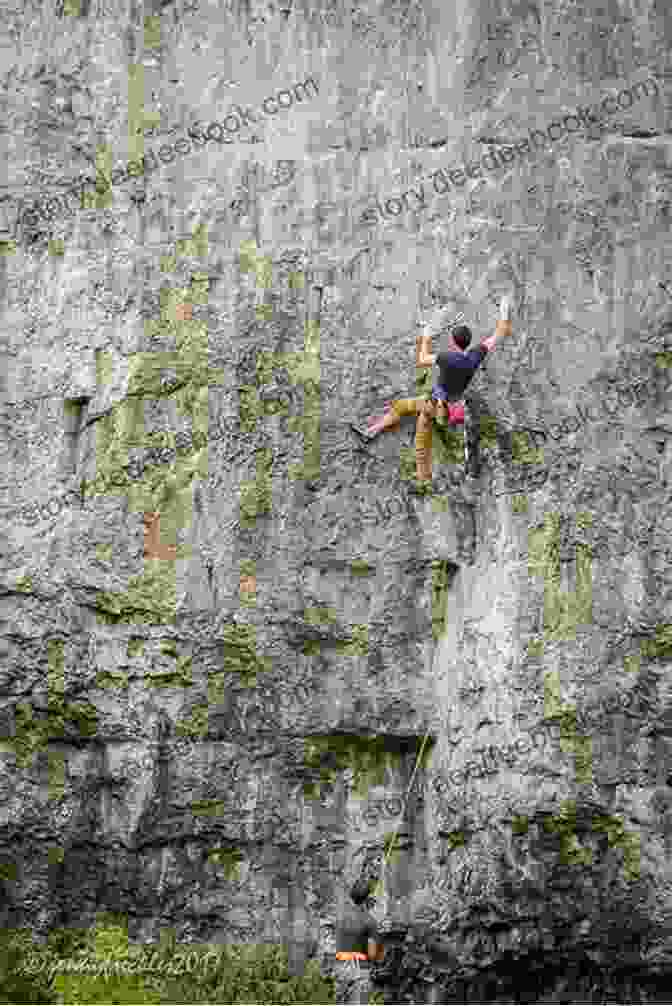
<point x="457" y="366"/>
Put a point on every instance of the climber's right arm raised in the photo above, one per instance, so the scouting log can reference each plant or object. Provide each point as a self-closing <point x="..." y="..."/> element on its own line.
<point x="503" y="328"/>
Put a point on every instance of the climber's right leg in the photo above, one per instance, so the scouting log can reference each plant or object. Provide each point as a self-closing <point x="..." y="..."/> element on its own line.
<point x="395" y="410"/>
<point x="423" y="443"/>
<point x="424" y="410"/>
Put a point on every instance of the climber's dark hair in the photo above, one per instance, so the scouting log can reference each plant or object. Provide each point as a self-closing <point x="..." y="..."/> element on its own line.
<point x="360" y="891"/>
<point x="462" y="336"/>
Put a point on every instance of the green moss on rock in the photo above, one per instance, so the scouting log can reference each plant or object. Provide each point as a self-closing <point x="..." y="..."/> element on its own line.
<point x="247" y="256"/>
<point x="360" y="567"/>
<point x="150" y="599"/>
<point x="84" y="716"/>
<point x="243" y="973"/>
<point x="311" y="647"/>
<point x="196" y="246"/>
<point x="208" y="808"/>
<point x="567" y="722"/>
<point x="30" y="735"/>
<point x="320" y="616"/>
<point x="196" y="724"/>
<point x="423" y="488"/>
<point x="660" y="647"/>
<point x="553" y="708"/>
<point x="239" y="651"/>
<point x="631" y="663"/>
<point x="309" y="468"/>
<point x="135" y="646"/>
<point x="618" y="837"/>
<point x="367" y="757"/>
<point x="583" y="759"/>
<point x="522" y="452"/>
<point x="357" y="644"/>
<point x="217" y="687"/>
<point x="563" y="611"/>
<point x="256" y="498"/>
<point x="265" y="366"/>
<point x="103" y="176"/>
<point x="56" y="775"/>
<point x="250" y="407"/>
<point x="565" y="715"/>
<point x="440" y="585"/>
<point x="104" y="552"/>
<point x="64" y="721"/>
<point x="584" y="519"/>
<point x="181" y="677"/>
<point x="406" y="463"/>
<point x="449" y="445"/>
<point x="563" y="824"/>
<point x="111" y="679"/>
<point x="423" y="382"/>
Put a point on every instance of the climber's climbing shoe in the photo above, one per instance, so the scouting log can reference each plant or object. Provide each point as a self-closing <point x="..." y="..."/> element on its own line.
<point x="363" y="434"/>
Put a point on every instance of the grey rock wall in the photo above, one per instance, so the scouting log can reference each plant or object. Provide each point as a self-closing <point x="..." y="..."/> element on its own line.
<point x="236" y="653"/>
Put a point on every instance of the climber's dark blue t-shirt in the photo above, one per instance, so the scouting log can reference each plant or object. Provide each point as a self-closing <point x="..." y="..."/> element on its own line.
<point x="457" y="369"/>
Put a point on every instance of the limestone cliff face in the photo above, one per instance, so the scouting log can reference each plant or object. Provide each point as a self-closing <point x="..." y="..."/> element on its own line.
<point x="238" y="655"/>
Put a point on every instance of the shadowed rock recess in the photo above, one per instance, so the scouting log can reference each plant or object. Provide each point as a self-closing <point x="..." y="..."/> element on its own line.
<point x="240" y="658"/>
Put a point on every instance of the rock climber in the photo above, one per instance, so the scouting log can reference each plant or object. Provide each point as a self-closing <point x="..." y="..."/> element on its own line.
<point x="358" y="944"/>
<point x="445" y="404"/>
